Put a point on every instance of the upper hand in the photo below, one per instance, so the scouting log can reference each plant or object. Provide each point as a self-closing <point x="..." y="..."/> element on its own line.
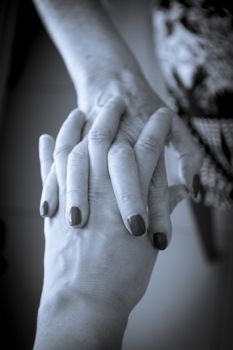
<point x="140" y="103"/>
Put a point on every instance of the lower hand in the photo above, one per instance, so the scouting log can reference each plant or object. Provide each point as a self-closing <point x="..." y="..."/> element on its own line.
<point x="101" y="260"/>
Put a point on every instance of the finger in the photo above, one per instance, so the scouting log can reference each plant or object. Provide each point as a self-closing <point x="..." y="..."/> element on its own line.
<point x="127" y="186"/>
<point x="69" y="135"/>
<point x="151" y="144"/>
<point x="177" y="193"/>
<point x="99" y="140"/>
<point x="101" y="137"/>
<point x="49" y="197"/>
<point x="77" y="206"/>
<point x="46" y="149"/>
<point x="159" y="208"/>
<point x="190" y="156"/>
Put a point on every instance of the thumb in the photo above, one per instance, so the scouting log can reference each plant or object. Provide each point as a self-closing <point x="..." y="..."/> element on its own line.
<point x="177" y="193"/>
<point x="190" y="155"/>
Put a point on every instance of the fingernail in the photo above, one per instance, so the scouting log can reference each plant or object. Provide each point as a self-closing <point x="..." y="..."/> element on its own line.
<point x="160" y="240"/>
<point x="75" y="216"/>
<point x="44" y="209"/>
<point x="137" y="225"/>
<point x="196" y="185"/>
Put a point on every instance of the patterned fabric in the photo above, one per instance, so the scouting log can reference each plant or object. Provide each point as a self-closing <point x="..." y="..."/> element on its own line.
<point x="194" y="44"/>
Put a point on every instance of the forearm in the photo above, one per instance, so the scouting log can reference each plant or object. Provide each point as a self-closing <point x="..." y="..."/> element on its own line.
<point x="92" y="49"/>
<point x="71" y="322"/>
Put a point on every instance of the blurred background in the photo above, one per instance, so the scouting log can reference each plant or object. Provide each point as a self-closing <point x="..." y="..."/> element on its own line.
<point x="188" y="304"/>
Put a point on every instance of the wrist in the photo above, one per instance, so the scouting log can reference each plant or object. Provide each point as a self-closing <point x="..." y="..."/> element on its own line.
<point x="97" y="89"/>
<point x="82" y="320"/>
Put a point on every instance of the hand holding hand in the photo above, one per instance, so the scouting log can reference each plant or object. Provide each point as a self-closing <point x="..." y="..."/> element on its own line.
<point x="97" y="274"/>
<point x="104" y="235"/>
<point x="122" y="167"/>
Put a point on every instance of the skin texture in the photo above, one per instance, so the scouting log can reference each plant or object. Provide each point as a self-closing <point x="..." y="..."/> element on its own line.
<point x="103" y="71"/>
<point x="94" y="276"/>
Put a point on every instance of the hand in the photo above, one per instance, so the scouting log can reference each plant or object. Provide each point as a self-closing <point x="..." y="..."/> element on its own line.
<point x="99" y="73"/>
<point x="94" y="276"/>
<point x="97" y="274"/>
<point x="102" y="247"/>
<point x="141" y="102"/>
<point x="126" y="183"/>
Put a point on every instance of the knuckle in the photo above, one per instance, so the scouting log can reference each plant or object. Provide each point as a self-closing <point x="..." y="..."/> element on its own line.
<point x="163" y="115"/>
<point x="62" y="150"/>
<point x="76" y="156"/>
<point x="117" y="102"/>
<point x="149" y="143"/>
<point x="158" y="190"/>
<point x="73" y="193"/>
<point x="75" y="113"/>
<point x="99" y="136"/>
<point x="165" y="112"/>
<point x="76" y="116"/>
<point x="120" y="150"/>
<point x="157" y="194"/>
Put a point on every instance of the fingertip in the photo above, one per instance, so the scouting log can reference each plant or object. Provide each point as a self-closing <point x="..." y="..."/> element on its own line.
<point x="76" y="113"/>
<point x="137" y="225"/>
<point x="46" y="148"/>
<point x="193" y="185"/>
<point x="46" y="138"/>
<point x="159" y="240"/>
<point x="44" y="208"/>
<point x="76" y="216"/>
<point x="47" y="209"/>
<point x="165" y="110"/>
<point x="49" y="196"/>
<point x="117" y="102"/>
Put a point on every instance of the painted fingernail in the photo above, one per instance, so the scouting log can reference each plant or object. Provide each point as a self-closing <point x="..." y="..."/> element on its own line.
<point x="159" y="240"/>
<point x="137" y="225"/>
<point x="75" y="216"/>
<point x="196" y="185"/>
<point x="44" y="209"/>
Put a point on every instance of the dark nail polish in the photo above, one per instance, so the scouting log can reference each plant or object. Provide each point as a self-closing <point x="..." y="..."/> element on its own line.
<point x="160" y="240"/>
<point x="196" y="185"/>
<point x="137" y="225"/>
<point x="75" y="216"/>
<point x="44" y="209"/>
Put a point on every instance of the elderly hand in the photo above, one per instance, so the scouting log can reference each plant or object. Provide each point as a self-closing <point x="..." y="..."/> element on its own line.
<point x="99" y="72"/>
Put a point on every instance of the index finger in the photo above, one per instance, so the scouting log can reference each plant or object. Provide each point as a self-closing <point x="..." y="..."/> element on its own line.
<point x="151" y="144"/>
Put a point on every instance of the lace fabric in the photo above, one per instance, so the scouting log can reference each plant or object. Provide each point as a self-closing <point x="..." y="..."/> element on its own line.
<point x="194" y="44"/>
